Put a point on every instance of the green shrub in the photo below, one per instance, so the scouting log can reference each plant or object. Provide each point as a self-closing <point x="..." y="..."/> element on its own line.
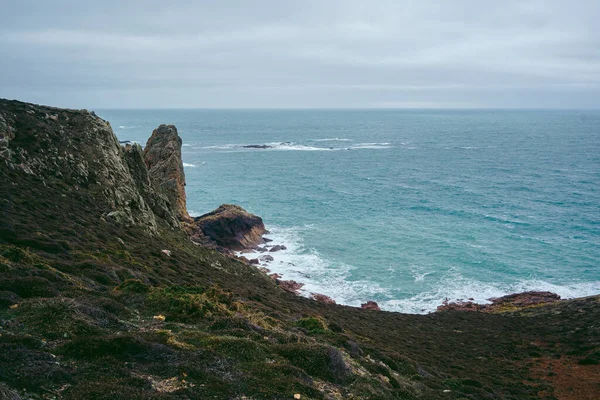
<point x="181" y="303"/>
<point x="16" y="254"/>
<point x="313" y="325"/>
<point x="133" y="286"/>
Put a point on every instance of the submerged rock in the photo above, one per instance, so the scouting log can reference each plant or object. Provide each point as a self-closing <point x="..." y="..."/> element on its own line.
<point x="232" y="227"/>
<point x="277" y="248"/>
<point x="257" y="146"/>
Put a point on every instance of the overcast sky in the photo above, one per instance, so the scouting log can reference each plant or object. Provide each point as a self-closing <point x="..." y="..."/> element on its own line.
<point x="301" y="54"/>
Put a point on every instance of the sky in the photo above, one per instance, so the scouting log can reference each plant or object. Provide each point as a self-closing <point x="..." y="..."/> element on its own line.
<point x="301" y="54"/>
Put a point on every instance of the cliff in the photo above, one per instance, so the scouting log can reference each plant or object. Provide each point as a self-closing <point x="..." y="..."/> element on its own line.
<point x="104" y="296"/>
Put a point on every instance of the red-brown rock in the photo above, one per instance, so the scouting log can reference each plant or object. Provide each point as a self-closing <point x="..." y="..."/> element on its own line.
<point x="370" y="305"/>
<point x="322" y="298"/>
<point x="232" y="227"/>
<point x="511" y="302"/>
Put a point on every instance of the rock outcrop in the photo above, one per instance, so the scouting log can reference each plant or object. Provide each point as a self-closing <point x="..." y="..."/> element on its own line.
<point x="370" y="305"/>
<point x="511" y="302"/>
<point x="232" y="227"/>
<point x="162" y="156"/>
<point x="75" y="150"/>
<point x="158" y="201"/>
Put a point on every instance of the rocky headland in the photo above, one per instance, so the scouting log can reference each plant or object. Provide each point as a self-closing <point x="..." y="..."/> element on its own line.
<point x="110" y="290"/>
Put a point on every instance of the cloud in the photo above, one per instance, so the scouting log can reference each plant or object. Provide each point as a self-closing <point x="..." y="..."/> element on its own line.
<point x="301" y="54"/>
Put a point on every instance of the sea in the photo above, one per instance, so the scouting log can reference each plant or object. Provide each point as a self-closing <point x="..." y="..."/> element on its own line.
<point x="406" y="208"/>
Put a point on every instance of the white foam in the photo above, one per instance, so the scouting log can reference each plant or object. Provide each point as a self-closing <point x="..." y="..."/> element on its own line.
<point x="456" y="287"/>
<point x="384" y="145"/>
<point x="318" y="274"/>
<point x="273" y="146"/>
<point x="187" y="165"/>
<point x="321" y="275"/>
<point x="331" y="140"/>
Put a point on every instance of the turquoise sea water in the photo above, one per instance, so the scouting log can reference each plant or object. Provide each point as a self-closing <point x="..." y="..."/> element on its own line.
<point x="404" y="207"/>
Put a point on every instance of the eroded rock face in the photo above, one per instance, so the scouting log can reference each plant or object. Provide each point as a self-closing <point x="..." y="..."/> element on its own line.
<point x="158" y="201"/>
<point x="162" y="156"/>
<point x="74" y="149"/>
<point x="232" y="227"/>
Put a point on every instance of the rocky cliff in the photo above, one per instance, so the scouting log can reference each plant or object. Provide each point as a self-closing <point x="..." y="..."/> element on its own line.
<point x="162" y="156"/>
<point x="103" y="296"/>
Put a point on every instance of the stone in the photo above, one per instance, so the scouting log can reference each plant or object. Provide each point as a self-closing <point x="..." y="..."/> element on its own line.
<point x="289" y="286"/>
<point x="232" y="227"/>
<point x="370" y="305"/>
<point x="162" y="156"/>
<point x="277" y="248"/>
<point x="322" y="298"/>
<point x="266" y="258"/>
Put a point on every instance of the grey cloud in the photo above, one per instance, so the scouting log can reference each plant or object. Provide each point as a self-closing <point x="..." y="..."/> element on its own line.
<point x="301" y="54"/>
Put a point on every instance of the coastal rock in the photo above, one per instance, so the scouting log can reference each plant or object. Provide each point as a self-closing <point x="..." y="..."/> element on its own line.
<point x="370" y="305"/>
<point x="289" y="286"/>
<point x="162" y="156"/>
<point x="322" y="298"/>
<point x="277" y="248"/>
<point x="257" y="146"/>
<point x="232" y="227"/>
<point x="266" y="258"/>
<point x="153" y="196"/>
<point x="511" y="302"/>
<point x="254" y="261"/>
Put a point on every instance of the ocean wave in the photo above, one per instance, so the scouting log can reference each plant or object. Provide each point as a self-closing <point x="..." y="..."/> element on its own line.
<point x="321" y="275"/>
<point x="293" y="146"/>
<point x="318" y="274"/>
<point x="384" y="145"/>
<point x="188" y="165"/>
<point x="456" y="287"/>
<point x="331" y="140"/>
<point x="281" y="146"/>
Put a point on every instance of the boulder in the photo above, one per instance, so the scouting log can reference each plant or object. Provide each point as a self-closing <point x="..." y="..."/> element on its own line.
<point x="277" y="248"/>
<point x="162" y="156"/>
<point x="266" y="258"/>
<point x="232" y="227"/>
<point x="370" y="305"/>
<point x="322" y="298"/>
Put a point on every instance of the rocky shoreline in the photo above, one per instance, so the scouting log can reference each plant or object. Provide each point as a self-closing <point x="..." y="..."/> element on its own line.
<point x="110" y="290"/>
<point x="232" y="229"/>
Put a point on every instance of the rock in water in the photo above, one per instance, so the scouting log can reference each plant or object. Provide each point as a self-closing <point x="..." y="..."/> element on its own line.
<point x="232" y="227"/>
<point x="162" y="156"/>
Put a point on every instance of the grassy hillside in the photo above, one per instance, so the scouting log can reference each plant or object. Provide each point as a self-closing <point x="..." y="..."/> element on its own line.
<point x="92" y="308"/>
